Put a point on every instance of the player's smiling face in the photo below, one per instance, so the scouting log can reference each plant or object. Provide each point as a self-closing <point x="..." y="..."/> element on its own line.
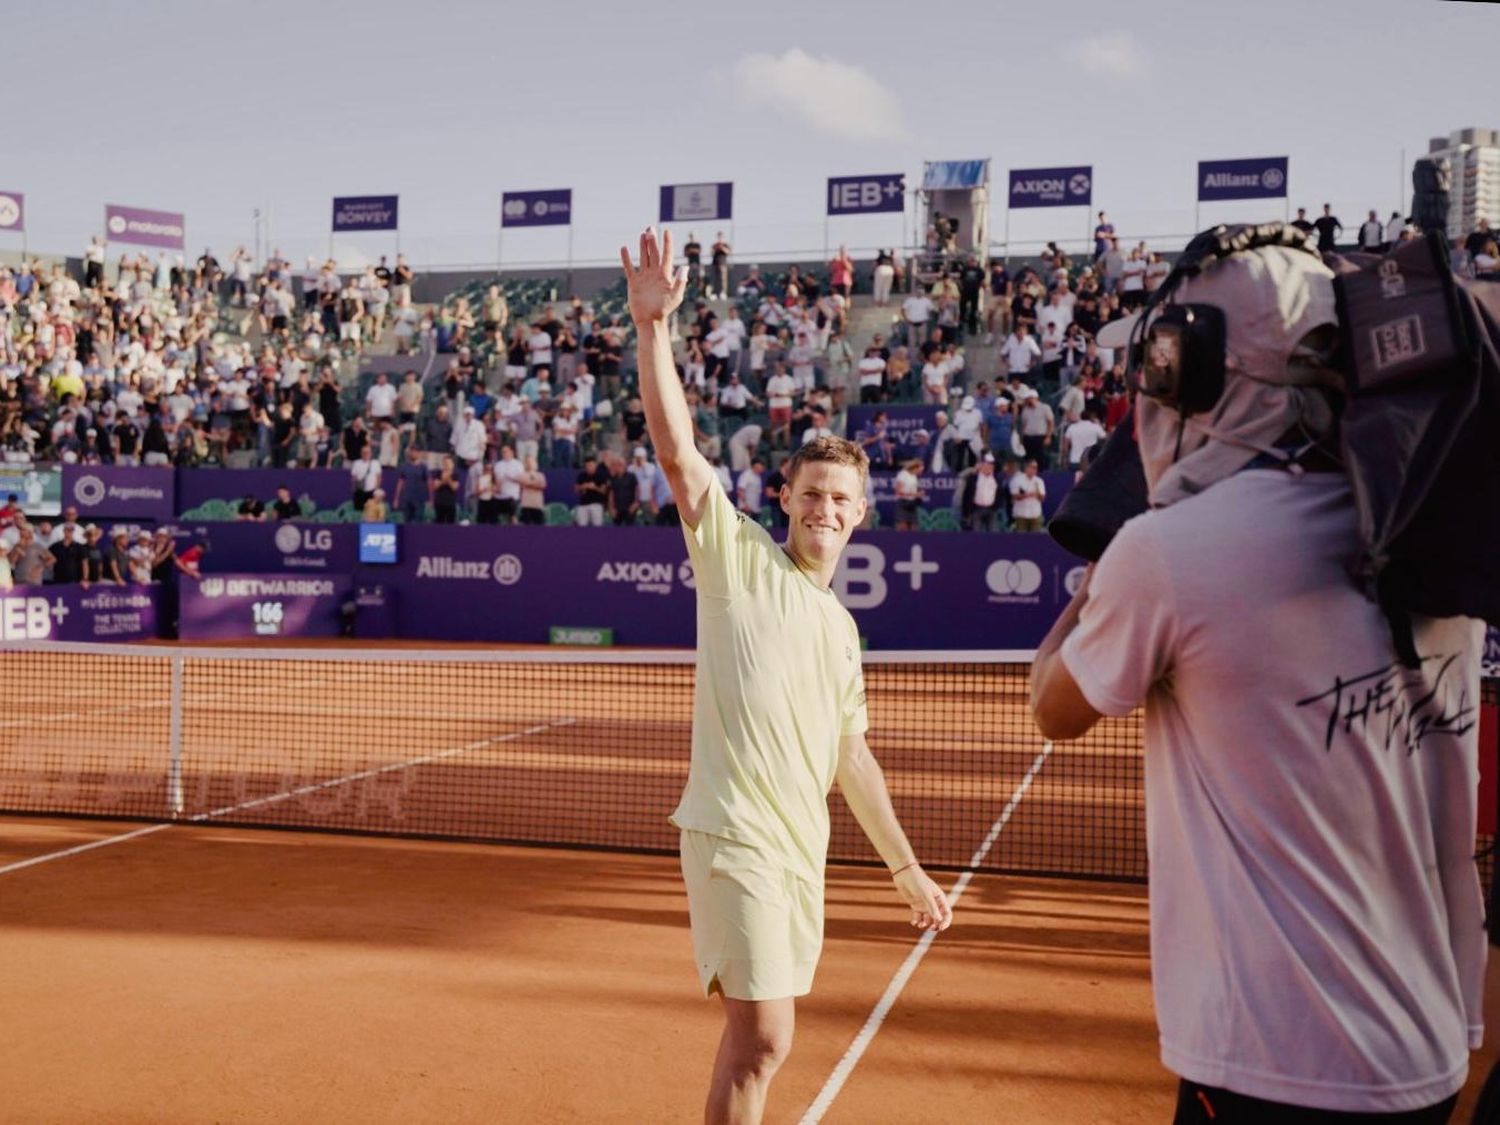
<point x="824" y="504"/>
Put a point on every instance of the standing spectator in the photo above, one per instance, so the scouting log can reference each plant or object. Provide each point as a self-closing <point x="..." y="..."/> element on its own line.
<point x="1371" y="234"/>
<point x="364" y="475"/>
<point x="401" y="278"/>
<point x="592" y="488"/>
<point x="486" y="495"/>
<point x="565" y="425"/>
<point x="841" y="273"/>
<point x="935" y="379"/>
<point x="719" y="279"/>
<point x="970" y="284"/>
<point x="1328" y="228"/>
<point x="380" y="399"/>
<point x="885" y="275"/>
<point x="1020" y="351"/>
<point x="981" y="504"/>
<point x="68" y="556"/>
<point x="624" y="494"/>
<point x="1027" y="491"/>
<point x="469" y="439"/>
<point x="1081" y="436"/>
<point x="533" y="494"/>
<point x="93" y="556"/>
<point x="692" y="254"/>
<point x="781" y="389"/>
<point x="508" y="473"/>
<point x="775" y="482"/>
<point x="411" y="486"/>
<point x="1393" y="230"/>
<point x="1037" y="425"/>
<point x="749" y="489"/>
<point x="1133" y="280"/>
<point x="443" y="490"/>
<point x="93" y="264"/>
<point x="1301" y="221"/>
<point x="872" y="376"/>
<point x="437" y="437"/>
<point x="909" y="495"/>
<point x="916" y="311"/>
<point x="408" y="401"/>
<point x="141" y="555"/>
<point x="1104" y="233"/>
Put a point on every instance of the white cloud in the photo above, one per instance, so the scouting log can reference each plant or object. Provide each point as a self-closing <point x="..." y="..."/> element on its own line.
<point x="832" y="97"/>
<point x="1116" y="55"/>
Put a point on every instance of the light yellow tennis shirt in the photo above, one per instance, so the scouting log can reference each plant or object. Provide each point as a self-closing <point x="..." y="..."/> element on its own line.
<point x="778" y="684"/>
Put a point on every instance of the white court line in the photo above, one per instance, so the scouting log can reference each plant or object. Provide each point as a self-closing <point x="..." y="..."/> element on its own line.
<point x="289" y="794"/>
<point x="893" y="990"/>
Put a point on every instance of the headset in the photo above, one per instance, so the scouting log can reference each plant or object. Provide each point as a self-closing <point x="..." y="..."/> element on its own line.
<point x="1177" y="351"/>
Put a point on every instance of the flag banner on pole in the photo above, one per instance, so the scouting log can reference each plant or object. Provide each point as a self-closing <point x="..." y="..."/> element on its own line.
<point x="141" y="227"/>
<point x="364" y="212"/>
<point x="537" y="208"/>
<point x="1052" y="187"/>
<point x="864" y="195"/>
<point x="1262" y="177"/>
<point x="686" y="203"/>
<point x="12" y="211"/>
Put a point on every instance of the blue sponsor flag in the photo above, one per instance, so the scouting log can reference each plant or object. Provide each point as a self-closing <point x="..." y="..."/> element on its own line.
<point x="1052" y="187"/>
<point x="954" y="175"/>
<point x="1262" y="177"/>
<point x="364" y="212"/>
<point x="537" y="208"/>
<point x="687" y="203"/>
<point x="863" y="195"/>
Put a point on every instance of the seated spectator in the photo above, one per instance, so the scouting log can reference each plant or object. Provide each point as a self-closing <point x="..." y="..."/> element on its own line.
<point x="250" y="508"/>
<point x="284" y="507"/>
<point x="375" y="510"/>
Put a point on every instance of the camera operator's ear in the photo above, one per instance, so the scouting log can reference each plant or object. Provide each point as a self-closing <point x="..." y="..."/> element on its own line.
<point x="1112" y="491"/>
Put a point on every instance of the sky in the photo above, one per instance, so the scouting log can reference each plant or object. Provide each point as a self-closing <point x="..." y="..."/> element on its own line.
<point x="218" y="110"/>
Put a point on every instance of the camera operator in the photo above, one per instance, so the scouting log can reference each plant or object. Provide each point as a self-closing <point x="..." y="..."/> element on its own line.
<point x="1317" y="938"/>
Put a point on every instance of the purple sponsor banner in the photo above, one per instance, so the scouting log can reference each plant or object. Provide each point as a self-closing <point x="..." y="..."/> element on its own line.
<point x="120" y="492"/>
<point x="71" y="613"/>
<point x="537" y="208"/>
<point x="1052" y="187"/>
<point x="689" y="203"/>
<point x="364" y="212"/>
<point x="288" y="547"/>
<point x="141" y="227"/>
<point x="863" y="195"/>
<point x="1491" y="661"/>
<point x="244" y="606"/>
<point x="12" y="211"/>
<point x="905" y="591"/>
<point x="1260" y="178"/>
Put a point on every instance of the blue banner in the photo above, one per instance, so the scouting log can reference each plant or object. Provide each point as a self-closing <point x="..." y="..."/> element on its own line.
<point x="120" y="492"/>
<point x="364" y="212"/>
<point x="1259" y="178"/>
<point x="537" y="208"/>
<point x="863" y="195"/>
<point x="955" y="175"/>
<point x="1052" y="187"/>
<point x="688" y="203"/>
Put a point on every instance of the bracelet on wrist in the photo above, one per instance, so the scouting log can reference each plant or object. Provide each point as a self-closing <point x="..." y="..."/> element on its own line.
<point x="903" y="867"/>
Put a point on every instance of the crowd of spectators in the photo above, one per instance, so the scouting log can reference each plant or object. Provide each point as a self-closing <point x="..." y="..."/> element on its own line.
<point x="69" y="552"/>
<point x="160" y="362"/>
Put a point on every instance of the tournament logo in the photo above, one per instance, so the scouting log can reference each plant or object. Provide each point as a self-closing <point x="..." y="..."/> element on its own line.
<point x="88" y="490"/>
<point x="507" y="570"/>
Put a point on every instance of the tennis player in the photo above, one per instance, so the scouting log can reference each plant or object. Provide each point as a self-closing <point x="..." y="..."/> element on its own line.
<point x="1317" y="932"/>
<point x="778" y="714"/>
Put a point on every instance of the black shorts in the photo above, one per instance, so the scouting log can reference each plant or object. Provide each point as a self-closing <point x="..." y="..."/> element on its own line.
<point x="278" y="324"/>
<point x="507" y="508"/>
<point x="534" y="516"/>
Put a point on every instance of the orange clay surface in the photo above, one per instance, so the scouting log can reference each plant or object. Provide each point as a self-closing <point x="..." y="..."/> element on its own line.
<point x="231" y="975"/>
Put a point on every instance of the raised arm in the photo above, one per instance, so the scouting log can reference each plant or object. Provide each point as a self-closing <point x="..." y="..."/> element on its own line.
<point x="862" y="782"/>
<point x="656" y="289"/>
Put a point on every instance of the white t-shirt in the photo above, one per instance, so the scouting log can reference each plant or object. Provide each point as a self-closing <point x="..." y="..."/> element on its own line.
<point x="1317" y="929"/>
<point x="871" y="371"/>
<point x="1133" y="275"/>
<point x="935" y="376"/>
<point x="508" y="477"/>
<point x="751" y="490"/>
<point x="1026" y="495"/>
<point x="1058" y="316"/>
<point x="718" y="342"/>
<point x="1080" y="437"/>
<point x="539" y="344"/>
<point x="986" y="490"/>
<point x="365" y="474"/>
<point x="779" y="390"/>
<point x="918" y="309"/>
<point x="381" y="398"/>
<point x="1019" y="353"/>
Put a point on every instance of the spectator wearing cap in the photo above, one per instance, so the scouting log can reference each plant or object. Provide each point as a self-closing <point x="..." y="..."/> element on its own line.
<point x="968" y="427"/>
<point x="140" y="555"/>
<point x="469" y="439"/>
<point x="981" y="502"/>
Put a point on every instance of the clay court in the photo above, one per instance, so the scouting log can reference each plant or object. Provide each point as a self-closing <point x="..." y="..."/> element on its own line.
<point x="168" y="961"/>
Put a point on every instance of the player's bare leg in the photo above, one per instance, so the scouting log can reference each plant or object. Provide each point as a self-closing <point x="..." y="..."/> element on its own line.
<point x="757" y="1039"/>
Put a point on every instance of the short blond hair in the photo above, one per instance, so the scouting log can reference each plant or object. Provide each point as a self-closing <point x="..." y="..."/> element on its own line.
<point x="832" y="450"/>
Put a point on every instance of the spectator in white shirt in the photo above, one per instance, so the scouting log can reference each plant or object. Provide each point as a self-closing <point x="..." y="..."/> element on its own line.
<point x="780" y="391"/>
<point x="1027" y="491"/>
<point x="1371" y="234"/>
<point x="380" y="399"/>
<point x="1020" y="350"/>
<point x="539" y="349"/>
<point x="916" y="311"/>
<point x="750" y="488"/>
<point x="469" y="439"/>
<point x="1081" y="436"/>
<point x="364" y="474"/>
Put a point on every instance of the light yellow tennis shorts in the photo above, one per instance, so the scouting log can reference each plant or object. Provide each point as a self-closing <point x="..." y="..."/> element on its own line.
<point x="757" y="928"/>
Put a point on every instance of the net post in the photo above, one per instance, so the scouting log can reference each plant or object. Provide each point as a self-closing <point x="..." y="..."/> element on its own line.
<point x="174" y="738"/>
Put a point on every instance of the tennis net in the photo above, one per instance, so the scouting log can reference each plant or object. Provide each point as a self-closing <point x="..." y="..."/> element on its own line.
<point x="571" y="748"/>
